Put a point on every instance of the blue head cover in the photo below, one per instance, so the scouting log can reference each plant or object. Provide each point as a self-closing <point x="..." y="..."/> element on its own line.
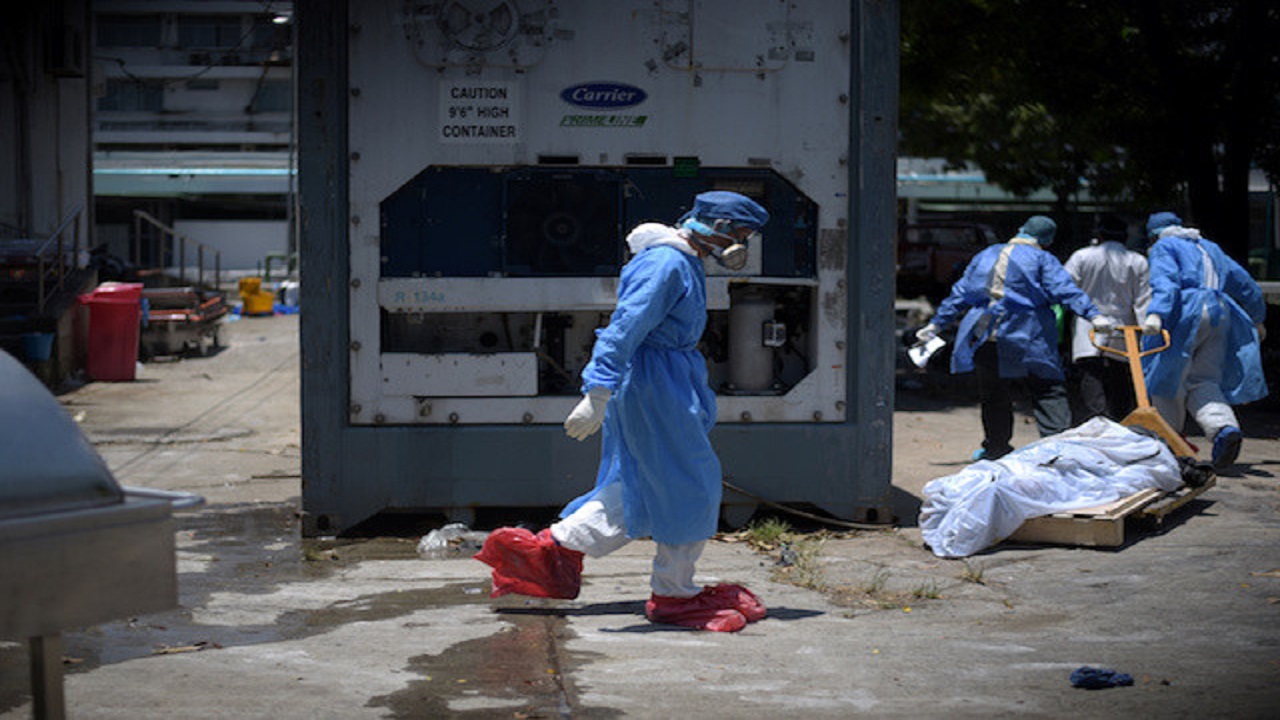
<point x="1159" y="221"/>
<point x="1039" y="228"/>
<point x="723" y="204"/>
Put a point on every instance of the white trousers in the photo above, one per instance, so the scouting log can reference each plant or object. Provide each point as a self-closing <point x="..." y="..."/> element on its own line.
<point x="599" y="528"/>
<point x="1200" y="389"/>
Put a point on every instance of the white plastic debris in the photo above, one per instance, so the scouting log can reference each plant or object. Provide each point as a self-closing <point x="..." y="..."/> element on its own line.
<point x="452" y="540"/>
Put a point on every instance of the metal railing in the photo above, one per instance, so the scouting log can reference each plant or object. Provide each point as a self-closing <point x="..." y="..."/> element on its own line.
<point x="167" y="253"/>
<point x="61" y="261"/>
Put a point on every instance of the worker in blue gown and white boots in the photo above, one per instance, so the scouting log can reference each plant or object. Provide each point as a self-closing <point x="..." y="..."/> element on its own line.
<point x="646" y="386"/>
<point x="1214" y="312"/>
<point x="1008" y="331"/>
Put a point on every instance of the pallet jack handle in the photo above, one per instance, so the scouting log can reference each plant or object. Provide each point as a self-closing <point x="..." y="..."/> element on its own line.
<point x="1134" y="355"/>
<point x="1145" y="415"/>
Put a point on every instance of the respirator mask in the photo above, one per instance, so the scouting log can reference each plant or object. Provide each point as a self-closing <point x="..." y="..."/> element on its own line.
<point x="733" y="257"/>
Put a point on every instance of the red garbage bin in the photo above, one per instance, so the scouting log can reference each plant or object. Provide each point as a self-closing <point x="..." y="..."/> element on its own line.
<point x="115" y="312"/>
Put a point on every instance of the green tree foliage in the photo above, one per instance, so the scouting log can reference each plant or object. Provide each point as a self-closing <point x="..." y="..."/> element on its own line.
<point x="1161" y="104"/>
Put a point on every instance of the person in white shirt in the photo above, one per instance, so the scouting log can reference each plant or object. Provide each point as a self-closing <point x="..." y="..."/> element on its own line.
<point x="1117" y="281"/>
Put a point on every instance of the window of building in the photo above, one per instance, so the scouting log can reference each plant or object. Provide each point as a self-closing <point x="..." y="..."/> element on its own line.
<point x="209" y="31"/>
<point x="267" y="35"/>
<point x="128" y="30"/>
<point x="132" y="96"/>
<point x="274" y="96"/>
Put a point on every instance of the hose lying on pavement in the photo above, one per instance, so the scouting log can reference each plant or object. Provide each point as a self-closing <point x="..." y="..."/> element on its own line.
<point x="806" y="515"/>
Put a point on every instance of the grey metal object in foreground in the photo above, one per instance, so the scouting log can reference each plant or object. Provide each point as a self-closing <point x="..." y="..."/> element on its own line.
<point x="78" y="549"/>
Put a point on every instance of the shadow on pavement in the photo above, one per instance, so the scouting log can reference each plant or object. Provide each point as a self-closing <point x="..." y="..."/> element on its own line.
<point x="628" y="607"/>
<point x="905" y="507"/>
<point x="636" y="608"/>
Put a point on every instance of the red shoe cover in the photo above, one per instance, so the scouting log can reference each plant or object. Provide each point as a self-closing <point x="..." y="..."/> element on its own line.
<point x="737" y="598"/>
<point x="696" y="612"/>
<point x="528" y="564"/>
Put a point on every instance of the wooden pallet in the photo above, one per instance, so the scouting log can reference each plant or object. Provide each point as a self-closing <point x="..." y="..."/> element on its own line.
<point x="1158" y="510"/>
<point x="1105" y="525"/>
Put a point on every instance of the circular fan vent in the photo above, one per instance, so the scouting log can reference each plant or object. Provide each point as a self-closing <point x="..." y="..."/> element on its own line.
<point x="562" y="226"/>
<point x="479" y="24"/>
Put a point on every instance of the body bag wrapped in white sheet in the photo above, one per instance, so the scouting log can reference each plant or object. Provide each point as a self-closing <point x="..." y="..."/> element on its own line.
<point x="1096" y="463"/>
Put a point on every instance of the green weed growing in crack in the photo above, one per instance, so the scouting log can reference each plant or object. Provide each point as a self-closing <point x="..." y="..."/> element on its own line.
<point x="875" y="585"/>
<point x="799" y="555"/>
<point x="928" y="590"/>
<point x="766" y="534"/>
<point x="871" y="593"/>
<point x="973" y="573"/>
<point x="806" y="572"/>
<point x="314" y="552"/>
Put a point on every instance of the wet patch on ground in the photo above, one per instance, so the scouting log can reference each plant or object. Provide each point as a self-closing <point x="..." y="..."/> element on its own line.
<point x="379" y="606"/>
<point x="246" y="549"/>
<point x="349" y="551"/>
<point x="256" y="548"/>
<point x="262" y="545"/>
<point x="15" y="682"/>
<point x="523" y="671"/>
<point x="174" y="633"/>
<point x="236" y="538"/>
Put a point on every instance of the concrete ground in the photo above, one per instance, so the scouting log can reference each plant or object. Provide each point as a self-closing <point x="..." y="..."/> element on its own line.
<point x="862" y="623"/>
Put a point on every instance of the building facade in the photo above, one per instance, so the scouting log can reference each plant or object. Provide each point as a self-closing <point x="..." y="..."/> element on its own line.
<point x="193" y="118"/>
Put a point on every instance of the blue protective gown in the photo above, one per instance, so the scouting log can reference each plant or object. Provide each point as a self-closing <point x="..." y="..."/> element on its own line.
<point x="1183" y="289"/>
<point x="1016" y="305"/>
<point x="655" y="438"/>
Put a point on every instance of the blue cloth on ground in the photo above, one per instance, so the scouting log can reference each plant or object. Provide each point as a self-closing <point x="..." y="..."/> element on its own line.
<point x="1091" y="678"/>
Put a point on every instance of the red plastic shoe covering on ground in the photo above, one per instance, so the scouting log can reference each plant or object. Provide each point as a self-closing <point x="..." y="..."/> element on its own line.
<point x="536" y="565"/>
<point x="738" y="598"/>
<point x="528" y="564"/>
<point x="718" y="608"/>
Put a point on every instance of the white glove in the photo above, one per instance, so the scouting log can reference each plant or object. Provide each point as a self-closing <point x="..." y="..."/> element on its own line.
<point x="1103" y="324"/>
<point x="588" y="415"/>
<point x="1262" y="332"/>
<point x="1152" y="325"/>
<point x="927" y="333"/>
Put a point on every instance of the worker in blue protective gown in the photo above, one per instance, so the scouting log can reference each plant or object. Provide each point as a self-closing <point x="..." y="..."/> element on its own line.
<point x="1008" y="331"/>
<point x="1214" y="313"/>
<point x="646" y="385"/>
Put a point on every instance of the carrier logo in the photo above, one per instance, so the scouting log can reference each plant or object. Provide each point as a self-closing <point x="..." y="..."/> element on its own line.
<point x="603" y="95"/>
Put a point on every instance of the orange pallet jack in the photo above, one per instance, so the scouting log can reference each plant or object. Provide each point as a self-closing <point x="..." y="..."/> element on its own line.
<point x="1145" y="416"/>
<point x="1105" y="525"/>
